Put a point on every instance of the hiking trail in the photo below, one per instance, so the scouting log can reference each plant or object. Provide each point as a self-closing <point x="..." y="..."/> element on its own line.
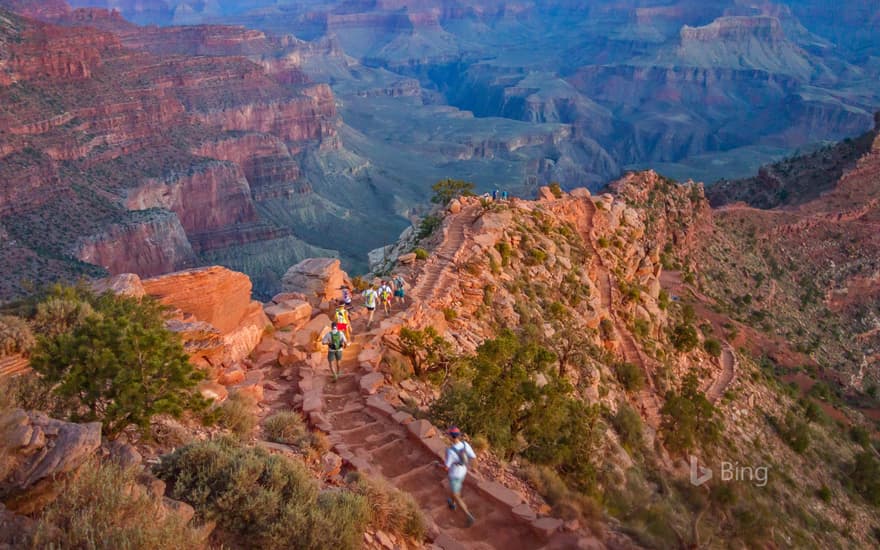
<point x="439" y="266"/>
<point x="728" y="372"/>
<point x="369" y="434"/>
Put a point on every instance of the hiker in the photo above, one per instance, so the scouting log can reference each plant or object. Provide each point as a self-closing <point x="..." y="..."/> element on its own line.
<point x="385" y="294"/>
<point x="343" y="323"/>
<point x="346" y="296"/>
<point x="399" y="292"/>
<point x="458" y="456"/>
<point x="335" y="341"/>
<point x="495" y="194"/>
<point x="504" y="195"/>
<point x="370" y="299"/>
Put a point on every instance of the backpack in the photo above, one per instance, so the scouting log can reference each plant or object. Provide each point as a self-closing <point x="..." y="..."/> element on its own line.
<point x="346" y="295"/>
<point x="341" y="317"/>
<point x="386" y="293"/>
<point x="398" y="283"/>
<point x="461" y="453"/>
<point x="336" y="341"/>
<point x="370" y="298"/>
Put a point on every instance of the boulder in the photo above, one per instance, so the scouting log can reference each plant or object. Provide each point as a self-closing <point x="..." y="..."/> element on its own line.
<point x="454" y="206"/>
<point x="290" y="313"/>
<point x="331" y="464"/>
<point x="407" y="258"/>
<point x="318" y="278"/>
<point x="217" y="296"/>
<point x="371" y="383"/>
<point x="202" y="341"/>
<point x="580" y="193"/>
<point x="212" y="390"/>
<point x="231" y="376"/>
<point x="124" y="284"/>
<point x="38" y="451"/>
<point x="421" y="429"/>
<point x="313" y="331"/>
<point x="545" y="194"/>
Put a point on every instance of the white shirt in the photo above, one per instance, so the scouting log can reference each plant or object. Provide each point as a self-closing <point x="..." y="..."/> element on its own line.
<point x="370" y="297"/>
<point x="456" y="470"/>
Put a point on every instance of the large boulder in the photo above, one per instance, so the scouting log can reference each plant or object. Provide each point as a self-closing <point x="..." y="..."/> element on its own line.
<point x="217" y="296"/>
<point x="37" y="451"/>
<point x="124" y="284"/>
<point x="290" y="313"/>
<point x="318" y="278"/>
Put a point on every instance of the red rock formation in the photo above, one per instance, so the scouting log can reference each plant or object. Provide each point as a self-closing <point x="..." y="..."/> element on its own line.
<point x="219" y="297"/>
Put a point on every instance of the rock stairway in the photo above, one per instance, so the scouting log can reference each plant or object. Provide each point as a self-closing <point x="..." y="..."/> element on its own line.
<point x="443" y="257"/>
<point x="371" y="436"/>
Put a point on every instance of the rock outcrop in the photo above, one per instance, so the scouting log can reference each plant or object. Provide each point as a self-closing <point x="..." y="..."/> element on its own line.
<point x="319" y="279"/>
<point x="216" y="296"/>
<point x="36" y="452"/>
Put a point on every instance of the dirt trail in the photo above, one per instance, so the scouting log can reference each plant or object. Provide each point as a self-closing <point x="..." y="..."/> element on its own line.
<point x="728" y="371"/>
<point x="442" y="258"/>
<point x="381" y="446"/>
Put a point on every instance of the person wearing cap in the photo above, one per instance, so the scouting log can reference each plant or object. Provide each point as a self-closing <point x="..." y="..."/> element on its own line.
<point x="335" y="341"/>
<point x="458" y="456"/>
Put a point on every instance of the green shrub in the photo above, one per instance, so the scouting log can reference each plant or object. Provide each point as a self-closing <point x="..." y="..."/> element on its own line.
<point x="796" y="433"/>
<point x="688" y="417"/>
<point x="864" y="477"/>
<point x="641" y="328"/>
<point x="567" y="504"/>
<point x="505" y="251"/>
<point x="270" y="501"/>
<point x="359" y="284"/>
<point x="684" y="337"/>
<point x="392" y="510"/>
<point x="536" y="256"/>
<point x="238" y="415"/>
<point x="288" y="427"/>
<point x="824" y="493"/>
<point x="450" y="314"/>
<point x="630" y="376"/>
<point x="122" y="367"/>
<point x="628" y="425"/>
<point x="58" y="314"/>
<point x="97" y="509"/>
<point x="498" y="396"/>
<point x="556" y="189"/>
<point x="425" y="348"/>
<point x="448" y="189"/>
<point x="421" y="253"/>
<point x="15" y="335"/>
<point x="27" y="391"/>
<point x="428" y="225"/>
<point x="712" y="347"/>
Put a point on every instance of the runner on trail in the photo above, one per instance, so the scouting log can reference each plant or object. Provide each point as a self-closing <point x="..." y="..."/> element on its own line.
<point x="346" y="296"/>
<point x="458" y="456"/>
<point x="343" y="323"/>
<point x="399" y="292"/>
<point x="385" y="294"/>
<point x="335" y="341"/>
<point x="371" y="297"/>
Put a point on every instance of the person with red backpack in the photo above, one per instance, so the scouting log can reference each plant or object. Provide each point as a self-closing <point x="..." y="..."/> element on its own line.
<point x="458" y="457"/>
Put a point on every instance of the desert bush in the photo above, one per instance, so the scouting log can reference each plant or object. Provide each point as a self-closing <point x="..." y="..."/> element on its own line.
<point x="864" y="477"/>
<point x="421" y="253"/>
<point x="448" y="189"/>
<point x="269" y="500"/>
<point x="536" y="256"/>
<point x="59" y="314"/>
<point x="392" y="510"/>
<point x="359" y="284"/>
<point x="505" y="251"/>
<point x="450" y="314"/>
<point x="628" y="425"/>
<point x="566" y="503"/>
<point x="120" y="368"/>
<point x="97" y="509"/>
<point x="556" y="189"/>
<point x="630" y="376"/>
<point x="684" y="337"/>
<point x="238" y="415"/>
<point x="27" y="391"/>
<point x="425" y="348"/>
<point x="288" y="427"/>
<point x="795" y="432"/>
<point x="15" y="335"/>
<point x="688" y="417"/>
<point x="427" y="226"/>
<point x="498" y="396"/>
<point x="712" y="347"/>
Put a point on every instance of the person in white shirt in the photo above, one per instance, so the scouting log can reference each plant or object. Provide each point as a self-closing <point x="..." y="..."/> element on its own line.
<point x="458" y="456"/>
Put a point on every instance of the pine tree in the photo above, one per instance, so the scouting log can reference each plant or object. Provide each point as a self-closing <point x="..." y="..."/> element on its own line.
<point x="121" y="367"/>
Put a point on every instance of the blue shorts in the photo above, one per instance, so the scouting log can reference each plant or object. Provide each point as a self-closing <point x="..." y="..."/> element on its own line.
<point x="455" y="485"/>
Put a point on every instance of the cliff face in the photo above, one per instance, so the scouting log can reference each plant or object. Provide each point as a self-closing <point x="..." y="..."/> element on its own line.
<point x="122" y="120"/>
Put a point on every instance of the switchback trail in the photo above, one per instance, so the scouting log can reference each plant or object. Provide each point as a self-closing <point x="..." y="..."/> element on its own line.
<point x="728" y="371"/>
